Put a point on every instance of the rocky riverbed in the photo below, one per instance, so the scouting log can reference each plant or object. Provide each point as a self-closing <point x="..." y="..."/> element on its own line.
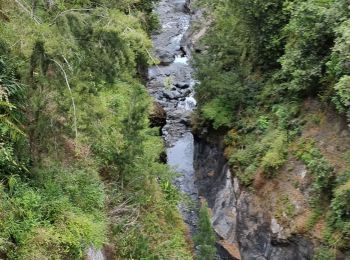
<point x="171" y="84"/>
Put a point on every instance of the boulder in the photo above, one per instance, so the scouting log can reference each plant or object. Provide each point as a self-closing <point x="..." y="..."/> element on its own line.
<point x="157" y="116"/>
<point x="168" y="94"/>
<point x="165" y="57"/>
<point x="182" y="85"/>
<point x="186" y="93"/>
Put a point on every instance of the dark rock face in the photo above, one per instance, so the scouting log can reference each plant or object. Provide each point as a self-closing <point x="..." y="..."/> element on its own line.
<point x="235" y="216"/>
<point x="255" y="239"/>
<point x="158" y="116"/>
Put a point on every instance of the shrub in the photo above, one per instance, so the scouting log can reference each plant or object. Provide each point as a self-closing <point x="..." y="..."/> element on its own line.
<point x="338" y="221"/>
<point x="205" y="238"/>
<point x="342" y="94"/>
<point x="218" y="113"/>
<point x="324" y="253"/>
<point x="60" y="215"/>
<point x="321" y="170"/>
<point x="310" y="39"/>
<point x="276" y="154"/>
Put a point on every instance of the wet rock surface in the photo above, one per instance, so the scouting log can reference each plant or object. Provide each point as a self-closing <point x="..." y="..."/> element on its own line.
<point x="93" y="254"/>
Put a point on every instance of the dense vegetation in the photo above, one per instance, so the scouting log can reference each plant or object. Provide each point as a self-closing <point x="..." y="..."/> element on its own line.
<point x="79" y="165"/>
<point x="262" y="60"/>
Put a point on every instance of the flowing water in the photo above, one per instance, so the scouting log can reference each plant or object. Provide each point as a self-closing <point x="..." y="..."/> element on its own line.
<point x="171" y="84"/>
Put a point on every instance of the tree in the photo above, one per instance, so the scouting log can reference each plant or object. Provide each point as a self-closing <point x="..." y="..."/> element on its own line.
<point x="205" y="238"/>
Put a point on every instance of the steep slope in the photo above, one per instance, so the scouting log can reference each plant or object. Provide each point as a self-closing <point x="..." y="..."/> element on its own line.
<point x="80" y="166"/>
<point x="272" y="101"/>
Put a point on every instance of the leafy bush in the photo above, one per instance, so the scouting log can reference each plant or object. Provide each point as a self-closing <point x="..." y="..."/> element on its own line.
<point x="342" y="94"/>
<point x="205" y="238"/>
<point x="338" y="220"/>
<point x="324" y="253"/>
<point x="338" y="65"/>
<point x="268" y="154"/>
<point x="321" y="170"/>
<point x="308" y="47"/>
<point x="276" y="155"/>
<point x="217" y="113"/>
<point x="58" y="216"/>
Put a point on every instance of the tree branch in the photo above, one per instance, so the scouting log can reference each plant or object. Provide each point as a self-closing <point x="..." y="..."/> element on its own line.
<point x="72" y="98"/>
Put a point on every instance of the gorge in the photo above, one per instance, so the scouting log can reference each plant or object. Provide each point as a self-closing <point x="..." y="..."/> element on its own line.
<point x="184" y="129"/>
<point x="244" y="230"/>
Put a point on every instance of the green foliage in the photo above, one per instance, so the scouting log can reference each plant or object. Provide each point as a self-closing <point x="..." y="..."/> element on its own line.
<point x="219" y="115"/>
<point x="338" y="65"/>
<point x="286" y="114"/>
<point x="151" y="228"/>
<point x="324" y="253"/>
<point x="11" y="134"/>
<point x="276" y="155"/>
<point x="342" y="94"/>
<point x="338" y="221"/>
<point x="263" y="52"/>
<point x="58" y="214"/>
<point x="314" y="218"/>
<point x="263" y="123"/>
<point x="268" y="154"/>
<point x="205" y="238"/>
<point x="338" y="228"/>
<point x="171" y="193"/>
<point x="245" y="40"/>
<point x="320" y="168"/>
<point x="72" y="109"/>
<point x="310" y="37"/>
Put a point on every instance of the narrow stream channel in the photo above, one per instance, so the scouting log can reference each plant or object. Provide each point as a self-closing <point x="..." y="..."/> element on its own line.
<point x="171" y="84"/>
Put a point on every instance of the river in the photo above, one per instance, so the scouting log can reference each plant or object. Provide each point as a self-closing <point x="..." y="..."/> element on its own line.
<point x="171" y="84"/>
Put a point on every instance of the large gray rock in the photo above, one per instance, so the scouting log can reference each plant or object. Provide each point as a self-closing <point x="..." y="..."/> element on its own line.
<point x="165" y="57"/>
<point x="168" y="94"/>
<point x="182" y="85"/>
